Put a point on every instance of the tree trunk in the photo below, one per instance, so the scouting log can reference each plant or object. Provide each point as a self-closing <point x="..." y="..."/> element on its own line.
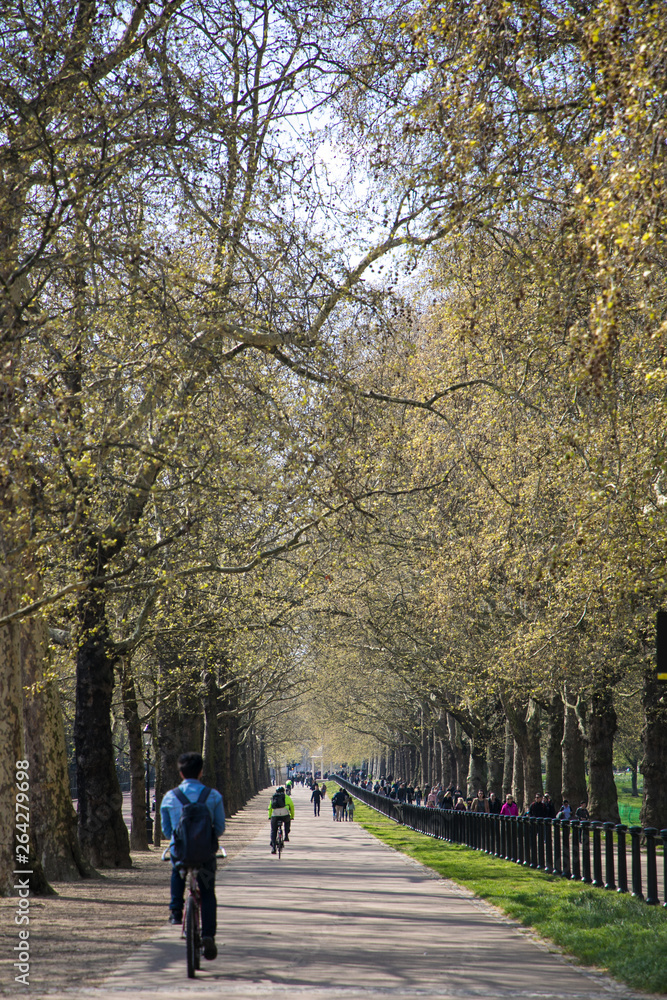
<point x="445" y="762"/>
<point x="601" y="729"/>
<point x="460" y="751"/>
<point x="554" y="748"/>
<point x="138" y="831"/>
<point x="654" y="739"/>
<point x="391" y="763"/>
<point x="168" y="745"/>
<point x="232" y="775"/>
<point x="525" y="724"/>
<point x="426" y="757"/>
<point x="210" y="741"/>
<point x="532" y="756"/>
<point x="494" y="771"/>
<point x="508" y="762"/>
<point x="574" y="760"/>
<point x="53" y="820"/>
<point x="634" y="777"/>
<point x="477" y="769"/>
<point x="103" y="835"/>
<point x="11" y="722"/>
<point x="518" y="787"/>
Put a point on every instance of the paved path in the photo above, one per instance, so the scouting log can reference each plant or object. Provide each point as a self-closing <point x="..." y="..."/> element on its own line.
<point x="343" y="917"/>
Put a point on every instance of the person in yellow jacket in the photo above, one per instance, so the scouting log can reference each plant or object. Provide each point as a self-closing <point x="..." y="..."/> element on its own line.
<point x="280" y="807"/>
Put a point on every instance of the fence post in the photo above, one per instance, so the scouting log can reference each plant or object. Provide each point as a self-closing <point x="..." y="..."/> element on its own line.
<point x="525" y="829"/>
<point x="558" y="864"/>
<point x="663" y="834"/>
<point x="597" y="855"/>
<point x="651" y="869"/>
<point x="549" y="844"/>
<point x="635" y="833"/>
<point x="565" y="829"/>
<point x="621" y="830"/>
<point x="540" y="843"/>
<point x="609" y="882"/>
<point x="576" y="867"/>
<point x="532" y="839"/>
<point x="586" y="851"/>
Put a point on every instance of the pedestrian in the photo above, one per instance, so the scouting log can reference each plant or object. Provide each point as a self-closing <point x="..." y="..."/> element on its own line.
<point x="549" y="807"/>
<point x="582" y="813"/>
<point x="509" y="807"/>
<point x="315" y="799"/>
<point x="536" y="807"/>
<point x="495" y="804"/>
<point x="338" y="802"/>
<point x="350" y="808"/>
<point x="460" y="804"/>
<point x="565" y="812"/>
<point x="479" y="803"/>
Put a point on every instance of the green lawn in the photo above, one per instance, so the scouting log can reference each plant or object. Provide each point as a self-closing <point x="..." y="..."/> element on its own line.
<point x="629" y="805"/>
<point x="613" y="932"/>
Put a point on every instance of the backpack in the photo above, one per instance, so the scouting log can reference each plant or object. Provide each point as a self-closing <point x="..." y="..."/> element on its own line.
<point x="278" y="800"/>
<point x="195" y="842"/>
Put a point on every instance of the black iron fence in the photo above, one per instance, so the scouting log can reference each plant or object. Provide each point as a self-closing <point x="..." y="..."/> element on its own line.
<point x="591" y="852"/>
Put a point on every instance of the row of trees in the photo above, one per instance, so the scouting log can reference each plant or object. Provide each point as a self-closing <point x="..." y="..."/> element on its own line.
<point x="246" y="458"/>
<point x="524" y="561"/>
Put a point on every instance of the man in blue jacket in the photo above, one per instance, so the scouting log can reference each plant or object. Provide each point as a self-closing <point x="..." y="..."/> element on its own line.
<point x="190" y="766"/>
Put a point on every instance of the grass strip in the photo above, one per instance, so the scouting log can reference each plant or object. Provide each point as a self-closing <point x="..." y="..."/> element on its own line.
<point x="610" y="931"/>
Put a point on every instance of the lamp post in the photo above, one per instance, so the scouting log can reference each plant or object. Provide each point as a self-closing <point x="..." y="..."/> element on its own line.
<point x="149" y="818"/>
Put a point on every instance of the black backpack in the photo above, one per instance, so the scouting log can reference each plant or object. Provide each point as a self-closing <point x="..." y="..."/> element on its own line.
<point x="195" y="842"/>
<point x="278" y="800"/>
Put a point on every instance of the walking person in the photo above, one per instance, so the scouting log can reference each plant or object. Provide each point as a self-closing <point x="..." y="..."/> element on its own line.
<point x="338" y="802"/>
<point x="479" y="803"/>
<point x="509" y="807"/>
<point x="315" y="799"/>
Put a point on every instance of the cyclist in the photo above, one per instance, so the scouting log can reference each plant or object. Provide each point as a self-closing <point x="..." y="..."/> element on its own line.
<point x="280" y="807"/>
<point x="190" y="766"/>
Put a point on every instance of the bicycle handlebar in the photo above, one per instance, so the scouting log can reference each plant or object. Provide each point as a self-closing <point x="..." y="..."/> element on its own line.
<point x="166" y="854"/>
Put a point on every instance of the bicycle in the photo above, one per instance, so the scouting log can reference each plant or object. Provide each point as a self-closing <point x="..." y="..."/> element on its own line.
<point x="280" y="838"/>
<point x="191" y="927"/>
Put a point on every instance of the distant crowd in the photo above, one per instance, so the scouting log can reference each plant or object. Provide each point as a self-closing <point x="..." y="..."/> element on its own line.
<point x="439" y="797"/>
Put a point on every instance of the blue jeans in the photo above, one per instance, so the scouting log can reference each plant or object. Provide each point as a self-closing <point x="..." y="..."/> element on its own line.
<point x="206" y="880"/>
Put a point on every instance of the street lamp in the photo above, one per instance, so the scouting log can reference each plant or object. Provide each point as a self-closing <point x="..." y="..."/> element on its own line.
<point x="149" y="818"/>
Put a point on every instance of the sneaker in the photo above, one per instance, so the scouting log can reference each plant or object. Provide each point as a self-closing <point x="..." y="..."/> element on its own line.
<point x="286" y="839"/>
<point x="273" y="850"/>
<point x="176" y="918"/>
<point x="210" y="949"/>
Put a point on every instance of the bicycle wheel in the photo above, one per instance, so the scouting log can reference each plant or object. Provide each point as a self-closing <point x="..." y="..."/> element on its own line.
<point x="279" y="840"/>
<point x="192" y="936"/>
